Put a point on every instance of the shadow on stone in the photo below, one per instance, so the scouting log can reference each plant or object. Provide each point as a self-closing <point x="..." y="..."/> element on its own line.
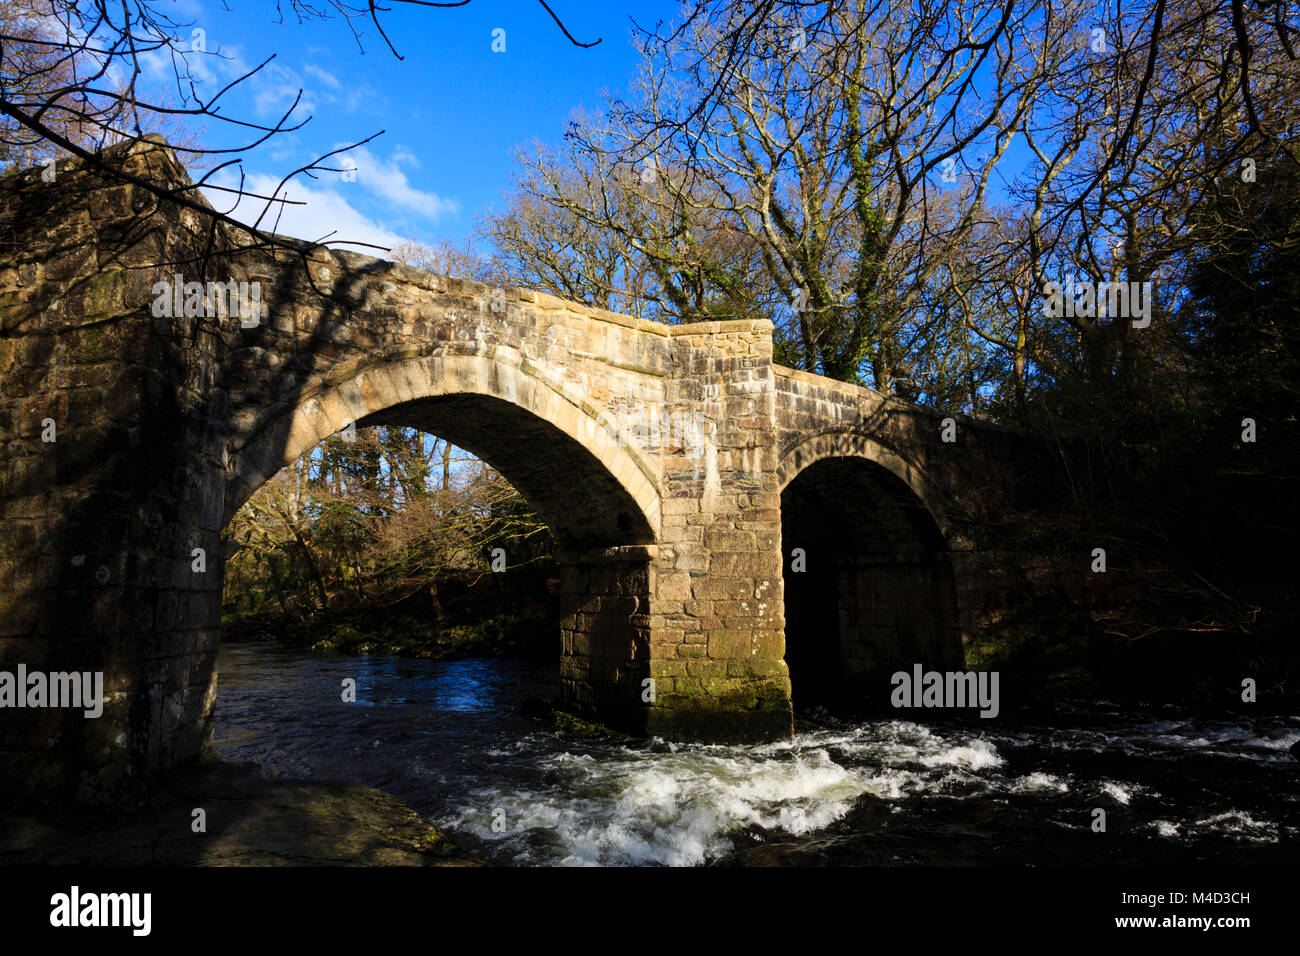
<point x="251" y="819"/>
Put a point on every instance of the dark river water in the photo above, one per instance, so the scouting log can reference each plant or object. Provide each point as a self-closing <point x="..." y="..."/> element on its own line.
<point x="447" y="739"/>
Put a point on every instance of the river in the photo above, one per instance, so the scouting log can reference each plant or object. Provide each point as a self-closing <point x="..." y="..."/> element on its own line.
<point x="447" y="738"/>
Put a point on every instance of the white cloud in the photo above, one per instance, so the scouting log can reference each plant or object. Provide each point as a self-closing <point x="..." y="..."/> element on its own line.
<point x="276" y="87"/>
<point x="329" y="79"/>
<point x="387" y="181"/>
<point x="324" y="211"/>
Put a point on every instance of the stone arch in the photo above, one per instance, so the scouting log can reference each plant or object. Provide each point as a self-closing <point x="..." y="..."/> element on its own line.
<point x="564" y="456"/>
<point x="877" y="590"/>
<point x="569" y="461"/>
<point x="849" y="444"/>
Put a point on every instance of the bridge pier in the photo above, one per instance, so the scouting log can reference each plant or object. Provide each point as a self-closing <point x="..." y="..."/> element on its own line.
<point x="605" y="634"/>
<point x="717" y="620"/>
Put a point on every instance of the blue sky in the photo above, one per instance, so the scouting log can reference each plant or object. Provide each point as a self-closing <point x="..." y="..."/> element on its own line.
<point x="453" y="111"/>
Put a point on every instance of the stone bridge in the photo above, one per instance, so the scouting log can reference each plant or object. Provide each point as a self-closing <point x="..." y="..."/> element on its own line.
<point x="731" y="532"/>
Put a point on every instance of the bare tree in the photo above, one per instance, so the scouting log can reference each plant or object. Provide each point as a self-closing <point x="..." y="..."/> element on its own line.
<point x="815" y="163"/>
<point x="1135" y="136"/>
<point x="444" y="258"/>
<point x="72" y="82"/>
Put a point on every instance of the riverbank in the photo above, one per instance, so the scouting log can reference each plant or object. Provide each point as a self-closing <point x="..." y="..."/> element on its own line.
<point x="377" y="630"/>
<point x="465" y="616"/>
<point x="251" y="820"/>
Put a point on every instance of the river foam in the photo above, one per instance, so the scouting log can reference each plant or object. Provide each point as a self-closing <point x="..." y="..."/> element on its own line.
<point x="680" y="805"/>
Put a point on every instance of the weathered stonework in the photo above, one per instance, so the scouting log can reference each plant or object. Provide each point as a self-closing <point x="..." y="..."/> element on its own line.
<point x="658" y="454"/>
